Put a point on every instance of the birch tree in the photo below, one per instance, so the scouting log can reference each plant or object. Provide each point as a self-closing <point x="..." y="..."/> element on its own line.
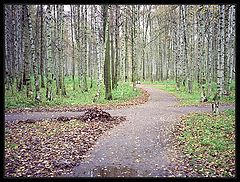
<point x="133" y="44"/>
<point x="112" y="53"/>
<point x="97" y="52"/>
<point x="226" y="50"/>
<point x="73" y="56"/>
<point x="117" y="40"/>
<point x="42" y="46"/>
<point x="220" y="65"/>
<point x="33" y="56"/>
<point x="85" y="86"/>
<point x="126" y="37"/>
<point x="232" y="58"/>
<point x="49" y="90"/>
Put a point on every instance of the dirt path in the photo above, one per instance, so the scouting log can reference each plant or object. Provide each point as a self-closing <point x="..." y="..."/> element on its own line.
<point x="139" y="146"/>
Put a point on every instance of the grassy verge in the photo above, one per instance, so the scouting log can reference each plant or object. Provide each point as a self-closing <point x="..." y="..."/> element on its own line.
<point x="122" y="93"/>
<point x="193" y="98"/>
<point x="209" y="142"/>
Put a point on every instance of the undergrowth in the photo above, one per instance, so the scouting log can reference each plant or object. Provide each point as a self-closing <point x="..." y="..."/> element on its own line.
<point x="193" y="98"/>
<point x="209" y="142"/>
<point x="123" y="92"/>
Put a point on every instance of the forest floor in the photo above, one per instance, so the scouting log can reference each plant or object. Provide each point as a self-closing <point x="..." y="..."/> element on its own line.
<point x="140" y="146"/>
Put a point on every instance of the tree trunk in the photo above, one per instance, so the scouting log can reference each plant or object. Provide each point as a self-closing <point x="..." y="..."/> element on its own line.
<point x="85" y="86"/>
<point x="126" y="46"/>
<point x="49" y="94"/>
<point x="117" y="40"/>
<point x="107" y="77"/>
<point x="33" y="56"/>
<point x="232" y="45"/>
<point x="73" y="56"/>
<point x="97" y="53"/>
<point x="226" y="90"/>
<point x="133" y="31"/>
<point x="26" y="51"/>
<point x="63" y="48"/>
<point x="42" y="45"/>
<point x="220" y="65"/>
<point x="111" y="19"/>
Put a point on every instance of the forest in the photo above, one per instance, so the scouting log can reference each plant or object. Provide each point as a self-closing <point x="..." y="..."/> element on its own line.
<point x="45" y="45"/>
<point x="75" y="57"/>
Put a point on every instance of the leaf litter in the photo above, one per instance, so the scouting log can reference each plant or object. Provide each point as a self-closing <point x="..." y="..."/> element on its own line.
<point x="52" y="147"/>
<point x="205" y="163"/>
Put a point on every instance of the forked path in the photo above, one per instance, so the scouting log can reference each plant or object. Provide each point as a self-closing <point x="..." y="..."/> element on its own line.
<point x="140" y="146"/>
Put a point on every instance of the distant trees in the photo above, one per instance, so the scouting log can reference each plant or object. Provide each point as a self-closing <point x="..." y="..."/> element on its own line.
<point x="191" y="46"/>
<point x="115" y="43"/>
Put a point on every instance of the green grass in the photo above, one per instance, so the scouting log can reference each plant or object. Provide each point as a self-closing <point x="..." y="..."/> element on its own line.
<point x="122" y="93"/>
<point x="193" y="98"/>
<point x="210" y="142"/>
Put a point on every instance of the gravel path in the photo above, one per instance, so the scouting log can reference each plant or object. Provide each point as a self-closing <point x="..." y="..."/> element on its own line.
<point x="139" y="146"/>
